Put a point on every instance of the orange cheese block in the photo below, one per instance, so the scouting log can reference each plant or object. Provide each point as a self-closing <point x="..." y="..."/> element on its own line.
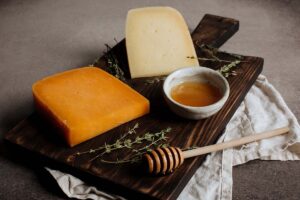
<point x="86" y="102"/>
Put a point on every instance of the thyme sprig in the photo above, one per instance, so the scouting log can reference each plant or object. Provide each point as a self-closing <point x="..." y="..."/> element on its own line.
<point x="150" y="140"/>
<point x="155" y="80"/>
<point x="112" y="147"/>
<point x="211" y="55"/>
<point x="212" y="51"/>
<point x="227" y="70"/>
<point x="210" y="59"/>
<point x="113" y="66"/>
<point x="155" y="140"/>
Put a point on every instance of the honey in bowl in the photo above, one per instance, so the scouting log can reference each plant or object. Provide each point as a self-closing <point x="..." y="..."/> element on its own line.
<point x="195" y="94"/>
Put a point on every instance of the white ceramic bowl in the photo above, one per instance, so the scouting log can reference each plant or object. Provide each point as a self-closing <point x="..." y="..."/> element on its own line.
<point x="195" y="74"/>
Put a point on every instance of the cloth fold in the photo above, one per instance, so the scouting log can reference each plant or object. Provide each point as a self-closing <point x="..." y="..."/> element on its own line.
<point x="262" y="109"/>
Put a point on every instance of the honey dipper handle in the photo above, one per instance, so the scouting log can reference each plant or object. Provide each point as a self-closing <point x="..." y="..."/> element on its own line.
<point x="234" y="143"/>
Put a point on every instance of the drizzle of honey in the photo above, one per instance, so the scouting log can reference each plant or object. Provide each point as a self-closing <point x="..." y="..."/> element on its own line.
<point x="195" y="94"/>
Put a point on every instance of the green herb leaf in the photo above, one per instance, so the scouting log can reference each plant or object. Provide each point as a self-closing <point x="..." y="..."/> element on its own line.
<point x="149" y="140"/>
<point x="211" y="55"/>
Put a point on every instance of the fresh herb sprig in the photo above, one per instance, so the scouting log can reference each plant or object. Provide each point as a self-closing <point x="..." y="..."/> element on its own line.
<point x="112" y="62"/>
<point x="211" y="55"/>
<point x="150" y="140"/>
<point x="227" y="70"/>
<point x="154" y="80"/>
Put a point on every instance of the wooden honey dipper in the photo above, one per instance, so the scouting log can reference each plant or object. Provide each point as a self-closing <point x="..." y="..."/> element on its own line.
<point x="167" y="159"/>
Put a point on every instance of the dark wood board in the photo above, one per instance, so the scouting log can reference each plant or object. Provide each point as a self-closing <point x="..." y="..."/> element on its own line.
<point x="35" y="136"/>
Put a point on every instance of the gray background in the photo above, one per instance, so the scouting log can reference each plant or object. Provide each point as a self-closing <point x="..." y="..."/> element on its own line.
<point x="39" y="38"/>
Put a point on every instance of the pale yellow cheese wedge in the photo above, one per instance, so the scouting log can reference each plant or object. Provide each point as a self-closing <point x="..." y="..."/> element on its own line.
<point x="86" y="102"/>
<point x="158" y="42"/>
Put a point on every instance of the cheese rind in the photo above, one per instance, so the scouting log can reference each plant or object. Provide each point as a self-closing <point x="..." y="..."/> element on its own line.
<point x="158" y="42"/>
<point x="86" y="102"/>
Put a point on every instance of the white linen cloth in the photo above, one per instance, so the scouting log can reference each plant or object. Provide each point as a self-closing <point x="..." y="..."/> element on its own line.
<point x="263" y="109"/>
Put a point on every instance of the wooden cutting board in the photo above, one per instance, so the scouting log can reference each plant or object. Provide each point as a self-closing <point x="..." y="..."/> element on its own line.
<point x="36" y="136"/>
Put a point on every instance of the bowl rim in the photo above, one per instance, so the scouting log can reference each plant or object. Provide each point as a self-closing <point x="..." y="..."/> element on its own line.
<point x="197" y="69"/>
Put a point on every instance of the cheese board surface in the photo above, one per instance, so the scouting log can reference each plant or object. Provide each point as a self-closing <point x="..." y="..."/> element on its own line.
<point x="34" y="135"/>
